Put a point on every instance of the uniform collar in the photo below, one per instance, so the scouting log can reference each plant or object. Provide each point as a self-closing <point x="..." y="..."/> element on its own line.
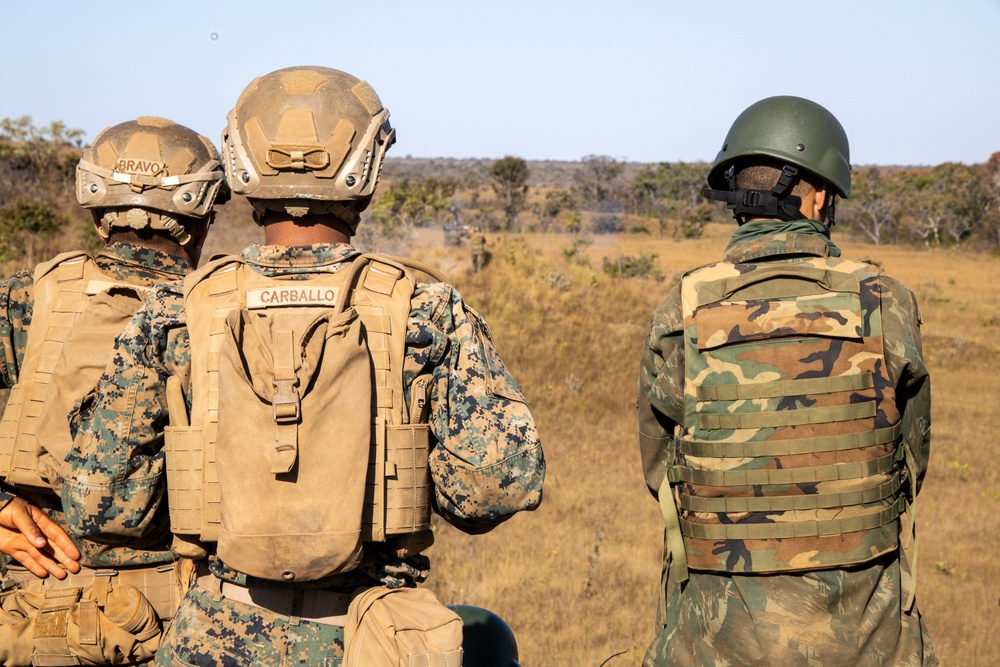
<point x="299" y="256"/>
<point x="769" y="238"/>
<point x="144" y="258"/>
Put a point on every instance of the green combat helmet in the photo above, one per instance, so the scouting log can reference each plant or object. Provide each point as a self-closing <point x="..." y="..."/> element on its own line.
<point x="150" y="172"/>
<point x="307" y="140"/>
<point x="792" y="132"/>
<point x="487" y="641"/>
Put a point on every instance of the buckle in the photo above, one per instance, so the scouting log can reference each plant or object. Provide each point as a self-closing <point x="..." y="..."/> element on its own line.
<point x="285" y="404"/>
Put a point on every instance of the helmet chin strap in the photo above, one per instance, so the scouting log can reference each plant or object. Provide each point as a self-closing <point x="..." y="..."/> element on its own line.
<point x="774" y="203"/>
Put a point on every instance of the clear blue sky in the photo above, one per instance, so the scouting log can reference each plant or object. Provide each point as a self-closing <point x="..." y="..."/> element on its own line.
<point x="912" y="81"/>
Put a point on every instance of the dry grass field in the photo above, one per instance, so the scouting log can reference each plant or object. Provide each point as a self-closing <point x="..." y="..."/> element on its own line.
<point x="577" y="580"/>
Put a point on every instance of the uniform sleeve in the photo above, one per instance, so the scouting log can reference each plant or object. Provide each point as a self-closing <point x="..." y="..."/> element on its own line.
<point x="16" y="302"/>
<point x="660" y="404"/>
<point x="115" y="475"/>
<point x="904" y="356"/>
<point x="487" y="463"/>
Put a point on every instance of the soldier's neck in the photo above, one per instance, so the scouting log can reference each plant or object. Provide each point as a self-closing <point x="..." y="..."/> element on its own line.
<point x="309" y="229"/>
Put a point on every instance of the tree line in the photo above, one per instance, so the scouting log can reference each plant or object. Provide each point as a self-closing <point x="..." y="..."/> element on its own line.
<point x="948" y="205"/>
<point x="951" y="204"/>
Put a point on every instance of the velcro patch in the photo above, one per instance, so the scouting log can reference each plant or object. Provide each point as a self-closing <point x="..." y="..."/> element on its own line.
<point x="271" y="297"/>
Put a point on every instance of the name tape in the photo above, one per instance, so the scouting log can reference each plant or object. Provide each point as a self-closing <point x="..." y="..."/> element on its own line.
<point x="139" y="166"/>
<point x="269" y="297"/>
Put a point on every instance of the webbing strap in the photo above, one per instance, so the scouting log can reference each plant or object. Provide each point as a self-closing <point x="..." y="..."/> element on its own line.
<point x="285" y="404"/>
<point x="790" y="503"/>
<point x="819" y="385"/>
<point x="839" y="471"/>
<point x="908" y="583"/>
<point x="772" y="531"/>
<point x="778" y="418"/>
<point x="751" y="449"/>
<point x="674" y="536"/>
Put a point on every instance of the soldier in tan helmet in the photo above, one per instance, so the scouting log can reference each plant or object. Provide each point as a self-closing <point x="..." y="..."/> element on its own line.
<point x="151" y="185"/>
<point x="321" y="404"/>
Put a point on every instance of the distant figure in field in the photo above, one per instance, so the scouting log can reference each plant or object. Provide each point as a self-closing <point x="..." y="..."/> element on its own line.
<point x="784" y="423"/>
<point x="478" y="247"/>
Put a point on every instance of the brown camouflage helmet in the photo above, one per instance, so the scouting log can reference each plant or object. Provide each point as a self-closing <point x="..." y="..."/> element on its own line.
<point x="148" y="172"/>
<point x="307" y="140"/>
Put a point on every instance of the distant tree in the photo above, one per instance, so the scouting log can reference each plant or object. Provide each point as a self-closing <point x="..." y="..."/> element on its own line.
<point x="37" y="167"/>
<point x="990" y="176"/>
<point x="509" y="178"/>
<point x="556" y="201"/>
<point x="876" y="200"/>
<point x="946" y="204"/>
<point x="23" y="225"/>
<point x="597" y="185"/>
<point x="413" y="202"/>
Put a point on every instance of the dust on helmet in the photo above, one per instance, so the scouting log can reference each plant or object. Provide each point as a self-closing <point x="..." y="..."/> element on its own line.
<point x="487" y="640"/>
<point x="790" y="131"/>
<point x="306" y="140"/>
<point x="149" y="172"/>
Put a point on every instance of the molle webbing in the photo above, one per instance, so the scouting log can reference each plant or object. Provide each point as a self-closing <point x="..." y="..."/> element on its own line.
<point x="784" y="531"/>
<point x="820" y="385"/>
<point x="798" y="417"/>
<point x="34" y="435"/>
<point x="784" y="476"/>
<point x="789" y="459"/>
<point x="738" y="504"/>
<point x="397" y="496"/>
<point x="831" y="443"/>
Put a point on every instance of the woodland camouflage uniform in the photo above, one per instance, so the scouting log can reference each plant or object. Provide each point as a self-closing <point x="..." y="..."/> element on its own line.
<point x="486" y="464"/>
<point x="784" y="423"/>
<point x="843" y="616"/>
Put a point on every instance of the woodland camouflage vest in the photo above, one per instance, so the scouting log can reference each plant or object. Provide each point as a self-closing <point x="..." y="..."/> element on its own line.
<point x="78" y="312"/>
<point x="788" y="458"/>
<point x="300" y="447"/>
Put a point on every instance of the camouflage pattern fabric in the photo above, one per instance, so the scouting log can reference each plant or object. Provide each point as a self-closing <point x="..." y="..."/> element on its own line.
<point x="123" y="261"/>
<point x="486" y="464"/>
<point x="229" y="633"/>
<point x="853" y="615"/>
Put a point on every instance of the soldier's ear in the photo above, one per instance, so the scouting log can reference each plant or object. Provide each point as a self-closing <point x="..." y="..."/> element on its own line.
<point x="814" y="206"/>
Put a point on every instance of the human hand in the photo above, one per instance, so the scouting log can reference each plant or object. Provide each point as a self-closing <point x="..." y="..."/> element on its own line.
<point x="35" y="541"/>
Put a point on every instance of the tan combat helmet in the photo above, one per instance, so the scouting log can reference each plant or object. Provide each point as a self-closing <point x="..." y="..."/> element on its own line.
<point x="147" y="173"/>
<point x="307" y="140"/>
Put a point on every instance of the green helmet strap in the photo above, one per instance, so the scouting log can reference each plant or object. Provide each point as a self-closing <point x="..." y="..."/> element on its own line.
<point x="774" y="203"/>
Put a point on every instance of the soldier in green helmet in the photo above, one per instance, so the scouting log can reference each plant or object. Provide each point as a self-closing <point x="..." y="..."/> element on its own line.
<point x="784" y="421"/>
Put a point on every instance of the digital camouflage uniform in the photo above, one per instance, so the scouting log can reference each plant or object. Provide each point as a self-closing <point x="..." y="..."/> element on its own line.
<point x="486" y="464"/>
<point x="24" y="630"/>
<point x="843" y="615"/>
<point x="122" y="261"/>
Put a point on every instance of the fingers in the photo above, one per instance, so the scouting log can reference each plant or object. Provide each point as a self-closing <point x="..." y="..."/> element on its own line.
<point x="17" y="546"/>
<point x="35" y="541"/>
<point x="17" y="516"/>
<point x="57" y="539"/>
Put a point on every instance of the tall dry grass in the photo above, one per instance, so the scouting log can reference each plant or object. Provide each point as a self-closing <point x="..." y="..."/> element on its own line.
<point x="577" y="580"/>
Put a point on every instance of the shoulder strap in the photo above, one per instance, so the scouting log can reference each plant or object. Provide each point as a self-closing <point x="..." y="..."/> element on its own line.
<point x="45" y="268"/>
